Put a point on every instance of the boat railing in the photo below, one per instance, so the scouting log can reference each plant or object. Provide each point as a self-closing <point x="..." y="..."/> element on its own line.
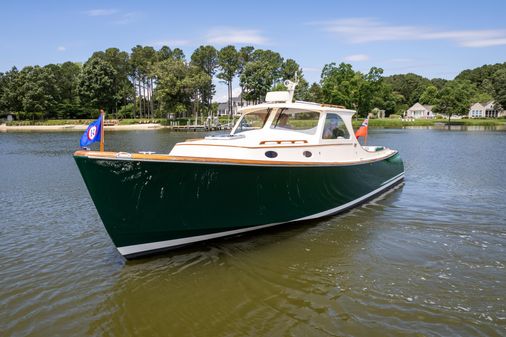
<point x="297" y="141"/>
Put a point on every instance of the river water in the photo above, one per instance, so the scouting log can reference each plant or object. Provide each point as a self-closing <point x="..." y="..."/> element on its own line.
<point x="428" y="258"/>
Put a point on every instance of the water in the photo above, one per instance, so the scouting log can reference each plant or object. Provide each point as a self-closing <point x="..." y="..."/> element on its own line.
<point x="425" y="259"/>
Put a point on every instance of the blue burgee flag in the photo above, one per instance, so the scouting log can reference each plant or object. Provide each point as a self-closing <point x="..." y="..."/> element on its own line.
<point x="92" y="133"/>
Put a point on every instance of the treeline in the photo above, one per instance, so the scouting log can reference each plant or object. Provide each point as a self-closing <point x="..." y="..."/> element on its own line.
<point x="149" y="83"/>
<point x="340" y="84"/>
<point x="144" y="83"/>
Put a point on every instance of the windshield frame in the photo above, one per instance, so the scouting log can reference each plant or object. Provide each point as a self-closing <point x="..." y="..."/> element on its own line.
<point x="274" y="125"/>
<point x="238" y="124"/>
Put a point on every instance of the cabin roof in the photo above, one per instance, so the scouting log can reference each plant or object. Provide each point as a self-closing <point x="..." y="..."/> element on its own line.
<point x="297" y="105"/>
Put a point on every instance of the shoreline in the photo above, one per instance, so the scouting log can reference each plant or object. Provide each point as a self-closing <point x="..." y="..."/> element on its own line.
<point x="388" y="124"/>
<point x="78" y="127"/>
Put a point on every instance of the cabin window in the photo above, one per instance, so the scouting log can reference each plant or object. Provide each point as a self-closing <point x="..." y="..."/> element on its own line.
<point x="296" y="120"/>
<point x="335" y="128"/>
<point x="253" y="120"/>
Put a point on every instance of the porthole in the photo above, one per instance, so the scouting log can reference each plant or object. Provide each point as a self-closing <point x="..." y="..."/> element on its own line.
<point x="307" y="154"/>
<point x="271" y="154"/>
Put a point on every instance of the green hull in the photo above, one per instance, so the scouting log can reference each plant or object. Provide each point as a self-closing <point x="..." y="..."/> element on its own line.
<point x="151" y="205"/>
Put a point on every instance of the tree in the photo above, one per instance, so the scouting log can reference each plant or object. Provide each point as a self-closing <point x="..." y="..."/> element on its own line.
<point x="228" y="62"/>
<point x="179" y="85"/>
<point x="499" y="81"/>
<point x="244" y="58"/>
<point x="68" y="105"/>
<point x="11" y="93"/>
<point x="314" y="93"/>
<point x="429" y="95"/>
<point x="178" y="54"/>
<point x="439" y="83"/>
<point x="455" y="98"/>
<point x="170" y="90"/>
<point x="340" y="85"/>
<point x="271" y="60"/>
<point x="410" y="86"/>
<point x="256" y="81"/>
<point x="122" y="87"/>
<point x="95" y="85"/>
<point x="39" y="91"/>
<point x="290" y="69"/>
<point x="369" y="91"/>
<point x="261" y="74"/>
<point x="142" y="60"/>
<point x="205" y="58"/>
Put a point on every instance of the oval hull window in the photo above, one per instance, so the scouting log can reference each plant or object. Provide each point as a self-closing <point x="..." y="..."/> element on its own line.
<point x="271" y="154"/>
<point x="307" y="154"/>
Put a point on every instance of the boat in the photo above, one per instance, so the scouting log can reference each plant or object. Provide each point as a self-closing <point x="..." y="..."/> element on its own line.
<point x="283" y="162"/>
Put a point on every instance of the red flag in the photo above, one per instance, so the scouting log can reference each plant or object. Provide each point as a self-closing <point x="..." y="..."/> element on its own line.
<point x="362" y="131"/>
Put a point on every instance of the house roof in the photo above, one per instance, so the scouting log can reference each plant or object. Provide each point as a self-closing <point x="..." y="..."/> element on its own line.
<point x="483" y="105"/>
<point x="418" y="106"/>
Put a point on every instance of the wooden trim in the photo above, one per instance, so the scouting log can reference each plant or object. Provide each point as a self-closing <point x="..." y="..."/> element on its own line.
<point x="325" y="105"/>
<point x="175" y="159"/>
<point x="264" y="142"/>
<point x="102" y="113"/>
<point x="266" y="146"/>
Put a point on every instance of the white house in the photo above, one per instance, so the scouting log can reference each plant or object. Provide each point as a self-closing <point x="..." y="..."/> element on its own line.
<point x="418" y="111"/>
<point x="485" y="110"/>
<point x="237" y="103"/>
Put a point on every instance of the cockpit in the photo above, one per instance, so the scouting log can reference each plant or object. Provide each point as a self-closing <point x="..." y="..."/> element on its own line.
<point x="291" y="121"/>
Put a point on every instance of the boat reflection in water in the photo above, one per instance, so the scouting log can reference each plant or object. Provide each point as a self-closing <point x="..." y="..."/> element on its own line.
<point x="283" y="162"/>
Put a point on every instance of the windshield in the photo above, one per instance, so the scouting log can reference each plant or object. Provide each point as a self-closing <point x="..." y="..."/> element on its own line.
<point x="335" y="128"/>
<point x="252" y="121"/>
<point x="296" y="120"/>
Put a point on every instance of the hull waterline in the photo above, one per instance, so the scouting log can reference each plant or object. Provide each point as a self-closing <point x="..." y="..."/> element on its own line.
<point x="147" y="206"/>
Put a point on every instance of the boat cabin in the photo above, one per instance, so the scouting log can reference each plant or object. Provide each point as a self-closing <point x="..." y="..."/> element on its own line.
<point x="281" y="130"/>
<point x="298" y="122"/>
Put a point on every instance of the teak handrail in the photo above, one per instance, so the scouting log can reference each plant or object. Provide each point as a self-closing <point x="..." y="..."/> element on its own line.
<point x="264" y="142"/>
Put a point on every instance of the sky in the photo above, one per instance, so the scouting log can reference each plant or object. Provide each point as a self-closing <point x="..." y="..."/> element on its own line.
<point x="429" y="38"/>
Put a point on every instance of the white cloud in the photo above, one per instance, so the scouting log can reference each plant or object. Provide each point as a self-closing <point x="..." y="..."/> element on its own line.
<point x="356" y="58"/>
<point x="229" y="35"/>
<point x="126" y="18"/>
<point x="101" y="12"/>
<point x="61" y="49"/>
<point x="363" y="30"/>
<point x="171" y="43"/>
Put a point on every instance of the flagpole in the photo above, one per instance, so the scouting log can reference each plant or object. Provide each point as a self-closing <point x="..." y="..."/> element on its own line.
<point x="102" y="113"/>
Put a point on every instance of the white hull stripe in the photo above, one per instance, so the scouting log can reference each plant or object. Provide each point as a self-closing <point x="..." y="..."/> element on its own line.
<point x="145" y="247"/>
<point x="393" y="178"/>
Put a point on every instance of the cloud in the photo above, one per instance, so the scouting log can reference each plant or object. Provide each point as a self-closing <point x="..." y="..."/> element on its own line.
<point x="356" y="58"/>
<point x="116" y="16"/>
<point x="171" y="43"/>
<point x="364" y="30"/>
<point x="126" y="18"/>
<point x="229" y="35"/>
<point x="101" y="12"/>
<point x="61" y="49"/>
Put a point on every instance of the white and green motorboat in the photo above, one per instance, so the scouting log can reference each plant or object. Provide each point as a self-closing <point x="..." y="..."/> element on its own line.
<point x="283" y="162"/>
